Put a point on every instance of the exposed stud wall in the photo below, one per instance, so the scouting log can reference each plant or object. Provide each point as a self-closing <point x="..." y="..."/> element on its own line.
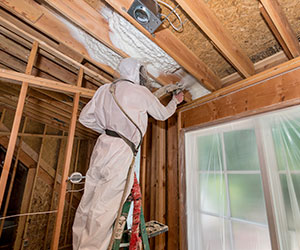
<point x="42" y="194"/>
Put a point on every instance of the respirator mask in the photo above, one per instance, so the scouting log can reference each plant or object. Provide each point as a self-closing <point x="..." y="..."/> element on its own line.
<point x="144" y="80"/>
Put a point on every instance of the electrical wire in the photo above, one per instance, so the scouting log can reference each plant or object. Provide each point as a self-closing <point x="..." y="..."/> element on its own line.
<point x="18" y="215"/>
<point x="178" y="29"/>
<point x="75" y="190"/>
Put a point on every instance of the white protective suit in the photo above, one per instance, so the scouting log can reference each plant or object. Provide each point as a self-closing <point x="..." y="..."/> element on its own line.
<point x="111" y="157"/>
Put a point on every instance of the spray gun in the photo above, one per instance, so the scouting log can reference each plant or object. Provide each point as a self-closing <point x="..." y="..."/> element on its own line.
<point x="175" y="89"/>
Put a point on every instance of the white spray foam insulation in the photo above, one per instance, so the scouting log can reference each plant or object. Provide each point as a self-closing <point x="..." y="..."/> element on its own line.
<point x="126" y="37"/>
<point x="134" y="43"/>
<point x="96" y="50"/>
<point x="193" y="86"/>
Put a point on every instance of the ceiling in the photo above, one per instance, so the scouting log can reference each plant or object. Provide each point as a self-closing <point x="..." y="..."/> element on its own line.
<point x="222" y="42"/>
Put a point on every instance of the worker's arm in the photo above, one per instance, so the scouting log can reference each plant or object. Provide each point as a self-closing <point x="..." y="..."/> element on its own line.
<point x="160" y="112"/>
<point x="87" y="117"/>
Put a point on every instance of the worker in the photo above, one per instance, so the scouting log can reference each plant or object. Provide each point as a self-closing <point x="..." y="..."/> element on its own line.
<point x="111" y="156"/>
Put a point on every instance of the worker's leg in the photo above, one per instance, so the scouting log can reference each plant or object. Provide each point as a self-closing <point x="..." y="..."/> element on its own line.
<point x="98" y="208"/>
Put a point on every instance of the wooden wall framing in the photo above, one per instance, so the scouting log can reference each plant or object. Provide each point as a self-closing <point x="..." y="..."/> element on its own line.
<point x="78" y="91"/>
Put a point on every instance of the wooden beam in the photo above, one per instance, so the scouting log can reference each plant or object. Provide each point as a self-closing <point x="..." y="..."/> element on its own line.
<point x="160" y="163"/>
<point x="16" y="123"/>
<point x="45" y="46"/>
<point x="42" y="83"/>
<point x="275" y="31"/>
<point x="42" y="63"/>
<point x="50" y="24"/>
<point x="18" y="6"/>
<point x="174" y="47"/>
<point x="90" y="20"/>
<point x="281" y="23"/>
<point x="172" y="184"/>
<point x="21" y="40"/>
<point x="60" y="209"/>
<point x="273" y="93"/>
<point x="263" y="76"/>
<point x="220" y="37"/>
<point x="260" y="66"/>
<point x="143" y="170"/>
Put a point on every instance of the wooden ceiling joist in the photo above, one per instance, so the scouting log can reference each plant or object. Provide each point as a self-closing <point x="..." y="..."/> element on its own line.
<point x="275" y="31"/>
<point x="51" y="50"/>
<point x="63" y="64"/>
<point x="220" y="37"/>
<point x="279" y="21"/>
<point x="48" y="67"/>
<point x="51" y="25"/>
<point x="174" y="47"/>
<point x="82" y="14"/>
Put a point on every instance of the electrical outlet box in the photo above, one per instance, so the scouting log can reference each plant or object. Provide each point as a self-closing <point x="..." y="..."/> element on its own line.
<point x="147" y="13"/>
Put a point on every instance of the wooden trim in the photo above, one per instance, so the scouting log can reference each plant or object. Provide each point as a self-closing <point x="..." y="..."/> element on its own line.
<point x="16" y="123"/>
<point x="277" y="92"/>
<point x="143" y="170"/>
<point x="43" y="83"/>
<point x="281" y="23"/>
<point x="174" y="47"/>
<point x="282" y="69"/>
<point x="183" y="243"/>
<point x="172" y="184"/>
<point x="60" y="209"/>
<point x="221" y="38"/>
<point x="267" y="194"/>
<point x="160" y="164"/>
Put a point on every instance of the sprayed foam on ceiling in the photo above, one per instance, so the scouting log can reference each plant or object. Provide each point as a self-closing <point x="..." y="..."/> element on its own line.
<point x="127" y="38"/>
<point x="133" y="42"/>
<point x="96" y="50"/>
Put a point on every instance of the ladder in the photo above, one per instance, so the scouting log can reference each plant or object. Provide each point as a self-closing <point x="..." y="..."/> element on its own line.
<point x="147" y="230"/>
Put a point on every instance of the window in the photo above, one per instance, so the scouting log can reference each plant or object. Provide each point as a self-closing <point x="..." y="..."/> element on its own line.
<point x="226" y="207"/>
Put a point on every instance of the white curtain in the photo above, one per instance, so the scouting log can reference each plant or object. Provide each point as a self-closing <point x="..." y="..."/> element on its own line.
<point x="225" y="199"/>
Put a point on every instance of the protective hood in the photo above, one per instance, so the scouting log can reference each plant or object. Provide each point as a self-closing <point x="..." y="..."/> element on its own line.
<point x="129" y="69"/>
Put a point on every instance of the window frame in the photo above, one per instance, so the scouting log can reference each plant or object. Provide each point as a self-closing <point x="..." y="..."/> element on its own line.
<point x="239" y="119"/>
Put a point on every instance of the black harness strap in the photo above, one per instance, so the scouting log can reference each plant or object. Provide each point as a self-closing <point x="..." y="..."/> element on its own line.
<point x="116" y="134"/>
